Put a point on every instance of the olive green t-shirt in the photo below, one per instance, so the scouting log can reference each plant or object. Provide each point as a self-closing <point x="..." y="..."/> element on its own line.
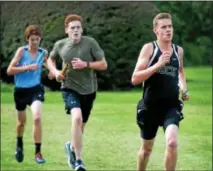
<point x="83" y="81"/>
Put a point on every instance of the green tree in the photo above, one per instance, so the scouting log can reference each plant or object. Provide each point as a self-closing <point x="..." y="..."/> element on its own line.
<point x="121" y="28"/>
<point x="193" y="26"/>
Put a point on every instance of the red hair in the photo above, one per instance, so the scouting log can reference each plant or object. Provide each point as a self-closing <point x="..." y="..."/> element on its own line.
<point x="72" y="17"/>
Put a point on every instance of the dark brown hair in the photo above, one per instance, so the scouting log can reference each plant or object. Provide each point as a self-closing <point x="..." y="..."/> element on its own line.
<point x="32" y="30"/>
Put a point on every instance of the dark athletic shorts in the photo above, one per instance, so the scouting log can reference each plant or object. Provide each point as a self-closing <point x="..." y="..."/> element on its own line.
<point x="149" y="118"/>
<point x="26" y="96"/>
<point x="73" y="99"/>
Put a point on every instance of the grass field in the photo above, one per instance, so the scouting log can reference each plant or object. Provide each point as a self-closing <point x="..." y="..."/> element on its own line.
<point x="111" y="140"/>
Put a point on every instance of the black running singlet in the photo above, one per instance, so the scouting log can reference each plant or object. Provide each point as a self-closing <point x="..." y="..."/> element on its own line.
<point x="164" y="84"/>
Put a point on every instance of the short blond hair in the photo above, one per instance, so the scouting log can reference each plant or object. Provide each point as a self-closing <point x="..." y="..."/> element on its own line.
<point x="161" y="16"/>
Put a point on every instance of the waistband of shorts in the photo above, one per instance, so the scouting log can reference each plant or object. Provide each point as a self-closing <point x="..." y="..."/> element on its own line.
<point x="73" y="91"/>
<point x="68" y="90"/>
<point x="36" y="87"/>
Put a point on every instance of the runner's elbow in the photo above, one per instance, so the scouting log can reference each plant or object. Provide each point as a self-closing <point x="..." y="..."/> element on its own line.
<point x="104" y="65"/>
<point x="10" y="71"/>
<point x="135" y="81"/>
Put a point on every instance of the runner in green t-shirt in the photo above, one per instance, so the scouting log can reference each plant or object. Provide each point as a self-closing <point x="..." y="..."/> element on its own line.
<point x="79" y="83"/>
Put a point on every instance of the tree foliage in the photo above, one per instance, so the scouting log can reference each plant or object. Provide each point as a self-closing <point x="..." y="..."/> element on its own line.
<point x="193" y="23"/>
<point x="121" y="28"/>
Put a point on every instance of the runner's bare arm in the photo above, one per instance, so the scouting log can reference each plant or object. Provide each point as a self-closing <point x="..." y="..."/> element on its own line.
<point x="141" y="72"/>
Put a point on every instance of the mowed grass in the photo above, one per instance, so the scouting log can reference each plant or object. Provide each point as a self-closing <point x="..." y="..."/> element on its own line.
<point x="111" y="140"/>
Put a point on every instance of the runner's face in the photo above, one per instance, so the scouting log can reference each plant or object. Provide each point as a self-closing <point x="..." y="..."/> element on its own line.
<point x="34" y="41"/>
<point x="164" y="30"/>
<point x="74" y="30"/>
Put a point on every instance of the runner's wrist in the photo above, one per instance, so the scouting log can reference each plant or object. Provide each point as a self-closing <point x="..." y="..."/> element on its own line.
<point x="184" y="92"/>
<point x="87" y="64"/>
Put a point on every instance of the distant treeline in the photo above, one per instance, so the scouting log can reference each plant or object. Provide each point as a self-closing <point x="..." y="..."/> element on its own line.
<point x="121" y="28"/>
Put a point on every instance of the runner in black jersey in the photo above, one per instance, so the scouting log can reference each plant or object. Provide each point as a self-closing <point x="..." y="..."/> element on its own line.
<point x="160" y="68"/>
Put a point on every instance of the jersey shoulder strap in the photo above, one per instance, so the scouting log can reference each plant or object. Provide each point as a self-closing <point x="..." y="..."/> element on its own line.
<point x="154" y="53"/>
<point x="176" y="47"/>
